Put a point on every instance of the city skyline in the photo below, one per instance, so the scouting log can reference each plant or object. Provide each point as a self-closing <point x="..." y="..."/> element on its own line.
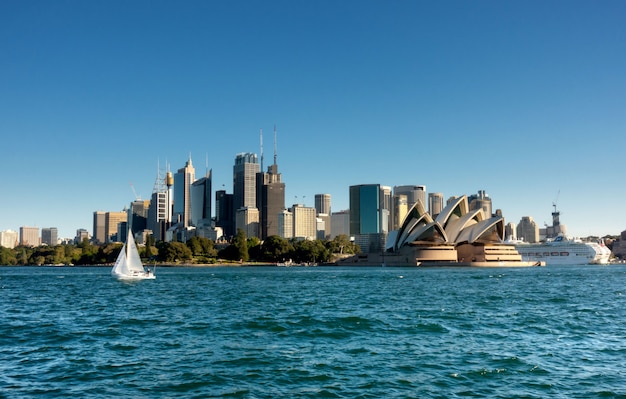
<point x="522" y="100"/>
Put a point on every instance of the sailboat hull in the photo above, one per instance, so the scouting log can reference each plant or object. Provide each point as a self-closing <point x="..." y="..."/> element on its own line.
<point x="134" y="276"/>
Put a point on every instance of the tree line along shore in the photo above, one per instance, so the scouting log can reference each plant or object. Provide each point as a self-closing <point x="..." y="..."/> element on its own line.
<point x="198" y="251"/>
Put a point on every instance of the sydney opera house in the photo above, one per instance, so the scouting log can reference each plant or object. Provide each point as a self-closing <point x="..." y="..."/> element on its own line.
<point x="457" y="236"/>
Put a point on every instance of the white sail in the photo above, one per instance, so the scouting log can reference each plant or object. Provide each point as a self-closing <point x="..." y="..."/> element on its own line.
<point x="128" y="264"/>
<point x="133" y="261"/>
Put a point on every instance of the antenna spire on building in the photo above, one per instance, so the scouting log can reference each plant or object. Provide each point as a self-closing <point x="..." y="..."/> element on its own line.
<point x="261" y="150"/>
<point x="274" y="144"/>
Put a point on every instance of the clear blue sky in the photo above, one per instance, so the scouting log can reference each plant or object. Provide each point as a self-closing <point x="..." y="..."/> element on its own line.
<point x="523" y="99"/>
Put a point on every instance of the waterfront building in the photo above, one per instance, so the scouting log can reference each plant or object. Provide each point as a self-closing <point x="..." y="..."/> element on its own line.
<point x="99" y="227"/>
<point x="29" y="236"/>
<point x="160" y="209"/>
<point x="247" y="219"/>
<point x="270" y="197"/>
<point x="322" y="208"/>
<point x="81" y="235"/>
<point x="244" y="182"/>
<point x="183" y="180"/>
<point x="285" y="224"/>
<point x="369" y="216"/>
<point x="224" y="213"/>
<point x="510" y="230"/>
<point x="138" y="215"/>
<point x="8" y="239"/>
<point x="435" y="204"/>
<point x="111" y="224"/>
<point x="50" y="236"/>
<point x="528" y="230"/>
<point x="304" y="222"/>
<point x="340" y="223"/>
<point x="320" y="225"/>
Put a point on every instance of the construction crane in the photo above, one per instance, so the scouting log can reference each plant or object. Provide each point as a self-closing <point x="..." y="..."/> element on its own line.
<point x="556" y="200"/>
<point x="137" y="197"/>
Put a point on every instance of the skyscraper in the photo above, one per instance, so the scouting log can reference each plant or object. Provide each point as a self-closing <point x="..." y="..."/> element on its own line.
<point x="270" y="197"/>
<point x="244" y="182"/>
<point x="99" y="227"/>
<point x="49" y="236"/>
<point x="112" y="220"/>
<point x="480" y="201"/>
<point x="413" y="194"/>
<point x="138" y="215"/>
<point x="224" y="212"/>
<point x="322" y="203"/>
<point x="304" y="223"/>
<point x="201" y="200"/>
<point x="160" y="210"/>
<point x="435" y="204"/>
<point x="29" y="236"/>
<point x="183" y="180"/>
<point x="369" y="215"/>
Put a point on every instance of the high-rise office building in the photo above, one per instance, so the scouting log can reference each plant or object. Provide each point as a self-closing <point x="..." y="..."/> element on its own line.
<point x="99" y="227"/>
<point x="138" y="215"/>
<point x="111" y="223"/>
<point x="481" y="201"/>
<point x="8" y="239"/>
<point x="160" y="210"/>
<point x="369" y="215"/>
<point x="435" y="204"/>
<point x="201" y="201"/>
<point x="244" y="183"/>
<point x="224" y="213"/>
<point x="399" y="210"/>
<point x="322" y="208"/>
<point x="285" y="224"/>
<point x="270" y="197"/>
<point x="248" y="220"/>
<point x="413" y="194"/>
<point x="29" y="236"/>
<point x="340" y="223"/>
<point x="528" y="230"/>
<point x="304" y="222"/>
<point x="322" y="203"/>
<point x="81" y="235"/>
<point x="49" y="236"/>
<point x="183" y="179"/>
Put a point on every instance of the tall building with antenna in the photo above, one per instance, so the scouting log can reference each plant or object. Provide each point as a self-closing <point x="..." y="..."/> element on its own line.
<point x="270" y="195"/>
<point x="183" y="180"/>
<point x="244" y="187"/>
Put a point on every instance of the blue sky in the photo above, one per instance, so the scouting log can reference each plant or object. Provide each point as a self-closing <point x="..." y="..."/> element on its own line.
<point x="523" y="99"/>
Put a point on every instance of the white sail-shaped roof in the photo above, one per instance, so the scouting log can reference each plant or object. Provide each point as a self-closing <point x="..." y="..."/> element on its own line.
<point x="486" y="231"/>
<point x="415" y="217"/>
<point x="454" y="210"/>
<point x="454" y="227"/>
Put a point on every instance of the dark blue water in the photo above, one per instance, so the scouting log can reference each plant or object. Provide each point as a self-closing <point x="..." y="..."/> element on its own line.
<point x="550" y="332"/>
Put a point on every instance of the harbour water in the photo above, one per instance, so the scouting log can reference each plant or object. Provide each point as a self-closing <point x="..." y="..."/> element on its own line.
<point x="318" y="332"/>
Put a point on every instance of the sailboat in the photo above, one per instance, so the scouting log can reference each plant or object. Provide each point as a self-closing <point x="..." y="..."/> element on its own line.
<point x="128" y="265"/>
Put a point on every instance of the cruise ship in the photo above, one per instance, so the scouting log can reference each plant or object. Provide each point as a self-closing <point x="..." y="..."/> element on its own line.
<point x="563" y="250"/>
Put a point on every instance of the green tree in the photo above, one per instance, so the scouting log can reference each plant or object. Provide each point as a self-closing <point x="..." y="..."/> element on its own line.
<point x="174" y="252"/>
<point x="7" y="257"/>
<point x="241" y="243"/>
<point x="342" y="245"/>
<point x="276" y="249"/>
